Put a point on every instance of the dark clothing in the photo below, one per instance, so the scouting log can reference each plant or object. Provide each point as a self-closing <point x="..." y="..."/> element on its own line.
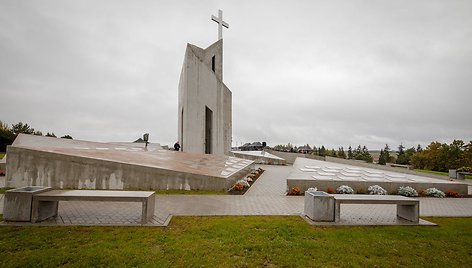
<point x="177" y="146"/>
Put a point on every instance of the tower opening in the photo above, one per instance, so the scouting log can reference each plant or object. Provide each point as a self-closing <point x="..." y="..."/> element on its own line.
<point x="208" y="129"/>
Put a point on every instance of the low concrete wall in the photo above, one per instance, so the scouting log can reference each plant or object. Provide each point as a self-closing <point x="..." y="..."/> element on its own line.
<point x="26" y="167"/>
<point x="382" y="167"/>
<point x="291" y="157"/>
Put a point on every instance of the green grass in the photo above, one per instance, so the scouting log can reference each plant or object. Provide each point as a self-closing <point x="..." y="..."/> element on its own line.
<point x="239" y="242"/>
<point x="441" y="173"/>
<point x="433" y="172"/>
<point x="191" y="192"/>
<point x="3" y="190"/>
<point x="2" y="155"/>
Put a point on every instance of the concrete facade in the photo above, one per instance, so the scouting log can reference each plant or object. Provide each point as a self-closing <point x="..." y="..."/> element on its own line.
<point x="205" y="112"/>
<point x="61" y="163"/>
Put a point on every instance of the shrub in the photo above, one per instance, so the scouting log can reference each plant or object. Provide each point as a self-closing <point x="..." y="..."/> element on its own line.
<point x="344" y="189"/>
<point x="330" y="190"/>
<point x="2" y="172"/>
<point x="465" y="169"/>
<point x="451" y="193"/>
<point x="294" y="191"/>
<point x="376" y="190"/>
<point x="407" y="191"/>
<point x="433" y="192"/>
<point x="244" y="183"/>
<point x="238" y="187"/>
<point x="311" y="189"/>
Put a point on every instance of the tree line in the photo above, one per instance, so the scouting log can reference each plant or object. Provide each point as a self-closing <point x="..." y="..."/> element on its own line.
<point x="436" y="156"/>
<point x="8" y="134"/>
<point x="359" y="153"/>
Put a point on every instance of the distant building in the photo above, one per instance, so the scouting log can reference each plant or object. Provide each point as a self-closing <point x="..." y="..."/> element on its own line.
<point x="305" y="149"/>
<point x="255" y="146"/>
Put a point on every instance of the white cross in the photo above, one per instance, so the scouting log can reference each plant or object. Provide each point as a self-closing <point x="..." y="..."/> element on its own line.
<point x="220" y="22"/>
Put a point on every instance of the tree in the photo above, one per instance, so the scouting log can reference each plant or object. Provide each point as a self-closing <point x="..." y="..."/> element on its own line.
<point x="22" y="128"/>
<point x="442" y="157"/>
<point x="466" y="158"/>
<point x="366" y="155"/>
<point x="6" y="136"/>
<point x="387" y="153"/>
<point x="357" y="154"/>
<point x="38" y="133"/>
<point x="349" y="152"/>
<point x="322" y="151"/>
<point x="333" y="153"/>
<point x="418" y="148"/>
<point x="341" y="153"/>
<point x="50" y="135"/>
<point x="401" y="156"/>
<point x="67" y="137"/>
<point x="382" y="159"/>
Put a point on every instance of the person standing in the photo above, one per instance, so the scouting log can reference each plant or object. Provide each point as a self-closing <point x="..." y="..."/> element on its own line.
<point x="177" y="146"/>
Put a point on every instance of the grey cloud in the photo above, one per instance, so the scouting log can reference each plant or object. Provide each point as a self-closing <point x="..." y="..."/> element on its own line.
<point x="333" y="73"/>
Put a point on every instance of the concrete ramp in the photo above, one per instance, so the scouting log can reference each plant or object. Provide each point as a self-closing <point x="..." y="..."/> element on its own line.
<point x="63" y="163"/>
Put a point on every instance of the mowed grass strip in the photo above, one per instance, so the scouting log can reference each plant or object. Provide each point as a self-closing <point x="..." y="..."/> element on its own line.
<point x="441" y="173"/>
<point x="239" y="242"/>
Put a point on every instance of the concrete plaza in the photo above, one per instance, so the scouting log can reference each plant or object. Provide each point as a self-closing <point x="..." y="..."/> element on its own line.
<point x="265" y="198"/>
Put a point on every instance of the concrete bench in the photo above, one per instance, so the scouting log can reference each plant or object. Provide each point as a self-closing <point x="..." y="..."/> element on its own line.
<point x="45" y="204"/>
<point x="407" y="208"/>
<point x="460" y="175"/>
<point x="320" y="206"/>
<point x="402" y="166"/>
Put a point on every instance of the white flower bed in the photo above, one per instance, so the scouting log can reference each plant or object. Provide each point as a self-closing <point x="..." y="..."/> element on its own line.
<point x="344" y="189"/>
<point x="376" y="190"/>
<point x="407" y="191"/>
<point x="433" y="192"/>
<point x="311" y="190"/>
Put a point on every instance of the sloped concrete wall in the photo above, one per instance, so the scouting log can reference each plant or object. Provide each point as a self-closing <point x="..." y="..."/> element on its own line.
<point x="26" y="167"/>
<point x="291" y="157"/>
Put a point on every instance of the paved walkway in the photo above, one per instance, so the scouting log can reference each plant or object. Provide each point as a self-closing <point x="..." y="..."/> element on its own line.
<point x="266" y="197"/>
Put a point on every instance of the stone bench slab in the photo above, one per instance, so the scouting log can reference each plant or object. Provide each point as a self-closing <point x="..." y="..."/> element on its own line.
<point x="407" y="208"/>
<point x="45" y="204"/>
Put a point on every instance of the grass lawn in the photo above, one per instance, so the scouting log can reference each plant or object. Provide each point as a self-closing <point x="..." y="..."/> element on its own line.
<point x="2" y="155"/>
<point x="432" y="172"/>
<point x="439" y="173"/>
<point x="239" y="242"/>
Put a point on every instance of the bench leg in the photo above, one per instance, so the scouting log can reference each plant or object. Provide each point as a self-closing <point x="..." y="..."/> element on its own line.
<point x="148" y="209"/>
<point x="337" y="211"/>
<point x="34" y="210"/>
<point x="409" y="212"/>
<point x="42" y="210"/>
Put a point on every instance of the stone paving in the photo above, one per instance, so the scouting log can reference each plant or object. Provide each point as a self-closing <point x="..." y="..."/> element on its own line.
<point x="265" y="197"/>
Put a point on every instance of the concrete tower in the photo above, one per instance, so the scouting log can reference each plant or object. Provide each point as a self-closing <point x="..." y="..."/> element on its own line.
<point x="205" y="117"/>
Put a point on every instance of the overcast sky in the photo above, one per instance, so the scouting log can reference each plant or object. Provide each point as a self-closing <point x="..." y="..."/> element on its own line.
<point x="333" y="73"/>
